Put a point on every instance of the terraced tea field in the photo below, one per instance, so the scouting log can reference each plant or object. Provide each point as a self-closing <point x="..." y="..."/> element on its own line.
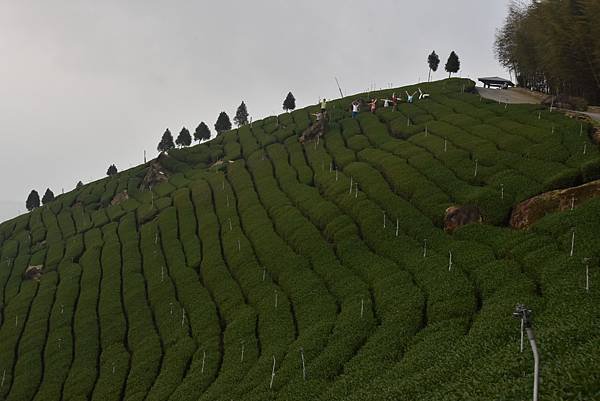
<point x="317" y="271"/>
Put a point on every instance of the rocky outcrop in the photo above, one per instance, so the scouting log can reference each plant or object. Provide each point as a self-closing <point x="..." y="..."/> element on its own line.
<point x="33" y="272"/>
<point x="119" y="198"/>
<point x="155" y="174"/>
<point x="531" y="210"/>
<point x="458" y="216"/>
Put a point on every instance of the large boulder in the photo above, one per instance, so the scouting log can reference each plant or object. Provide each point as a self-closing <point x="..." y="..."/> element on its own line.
<point x="458" y="216"/>
<point x="531" y="210"/>
<point x="33" y="272"/>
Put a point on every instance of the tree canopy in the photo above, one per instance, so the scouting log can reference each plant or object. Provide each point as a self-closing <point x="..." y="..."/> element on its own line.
<point x="48" y="196"/>
<point x="33" y="200"/>
<point x="112" y="170"/>
<point x="202" y="132"/>
<point x="241" y="115"/>
<point x="453" y="64"/>
<point x="184" y="138"/>
<point x="290" y="102"/>
<point x="434" y="61"/>
<point x="553" y="46"/>
<point x="166" y="142"/>
<point x="223" y="123"/>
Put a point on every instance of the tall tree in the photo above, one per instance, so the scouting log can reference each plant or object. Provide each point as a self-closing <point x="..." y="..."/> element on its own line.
<point x="184" y="138"/>
<point x="112" y="170"/>
<point x="290" y="102"/>
<point x="79" y="185"/>
<point x="453" y="64"/>
<point x="434" y="61"/>
<point x="33" y="200"/>
<point x="166" y="142"/>
<point x="202" y="132"/>
<point x="48" y="196"/>
<point x="241" y="115"/>
<point x="223" y="123"/>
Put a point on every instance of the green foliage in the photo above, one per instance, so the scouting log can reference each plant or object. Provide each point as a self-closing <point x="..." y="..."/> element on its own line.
<point x="241" y="115"/>
<point x="223" y="123"/>
<point x="33" y="200"/>
<point x="48" y="196"/>
<point x="184" y="138"/>
<point x="330" y="253"/>
<point x="202" y="132"/>
<point x="289" y="103"/>
<point x="453" y="64"/>
<point x="166" y="142"/>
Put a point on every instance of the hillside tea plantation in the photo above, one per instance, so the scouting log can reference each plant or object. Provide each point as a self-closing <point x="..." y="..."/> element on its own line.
<point x="317" y="271"/>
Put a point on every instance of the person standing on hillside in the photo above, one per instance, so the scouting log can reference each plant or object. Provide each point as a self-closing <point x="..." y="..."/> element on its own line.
<point x="395" y="101"/>
<point x="323" y="105"/>
<point x="355" y="108"/>
<point x="373" y="105"/>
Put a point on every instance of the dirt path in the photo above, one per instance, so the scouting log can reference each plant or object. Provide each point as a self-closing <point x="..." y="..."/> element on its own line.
<point x="519" y="95"/>
<point x="513" y="95"/>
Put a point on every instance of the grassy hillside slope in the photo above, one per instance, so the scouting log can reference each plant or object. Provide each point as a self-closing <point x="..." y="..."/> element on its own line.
<point x="223" y="282"/>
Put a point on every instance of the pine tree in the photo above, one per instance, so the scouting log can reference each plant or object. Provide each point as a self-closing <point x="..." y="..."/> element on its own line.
<point x="434" y="61"/>
<point x="48" y="197"/>
<point x="166" y="142"/>
<point x="79" y="185"/>
<point x="184" y="138"/>
<point x="33" y="200"/>
<point x="453" y="64"/>
<point x="112" y="170"/>
<point x="202" y="132"/>
<point x="290" y="102"/>
<point x="241" y="115"/>
<point x="223" y="123"/>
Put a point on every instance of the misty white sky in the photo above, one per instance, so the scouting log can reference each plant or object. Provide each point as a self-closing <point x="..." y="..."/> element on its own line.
<point x="84" y="84"/>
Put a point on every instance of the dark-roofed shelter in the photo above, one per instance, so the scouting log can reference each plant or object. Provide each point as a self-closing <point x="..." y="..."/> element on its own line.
<point x="496" y="82"/>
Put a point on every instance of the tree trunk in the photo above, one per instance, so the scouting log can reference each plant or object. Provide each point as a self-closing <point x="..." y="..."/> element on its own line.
<point x="429" y="77"/>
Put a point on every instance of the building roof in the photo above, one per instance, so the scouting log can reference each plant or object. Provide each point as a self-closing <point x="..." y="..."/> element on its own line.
<point x="495" y="79"/>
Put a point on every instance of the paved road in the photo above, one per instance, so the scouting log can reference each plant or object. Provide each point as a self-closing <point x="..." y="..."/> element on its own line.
<point x="511" y="95"/>
<point x="517" y="95"/>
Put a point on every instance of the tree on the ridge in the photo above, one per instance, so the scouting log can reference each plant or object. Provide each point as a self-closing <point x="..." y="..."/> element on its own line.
<point x="202" y="132"/>
<point x="48" y="197"/>
<point x="223" y="123"/>
<point x="290" y="102"/>
<point x="79" y="185"/>
<point x="166" y="142"/>
<point x="184" y="138"/>
<point x="33" y="200"/>
<point x="434" y="61"/>
<point x="453" y="64"/>
<point x="241" y="115"/>
<point x="112" y="170"/>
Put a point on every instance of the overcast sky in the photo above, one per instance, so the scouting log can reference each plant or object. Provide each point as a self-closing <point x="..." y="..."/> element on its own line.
<point x="84" y="84"/>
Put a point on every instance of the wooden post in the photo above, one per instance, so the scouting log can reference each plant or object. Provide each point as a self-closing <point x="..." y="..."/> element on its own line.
<point x="539" y="115"/>
<point x="227" y="200"/>
<point x="230" y="226"/>
<point x="182" y="316"/>
<point x="476" y="166"/>
<point x="350" y="185"/>
<point x="424" y="248"/>
<point x="501" y="191"/>
<point x="203" y="361"/>
<point x="171" y="304"/>
<point x="397" y="226"/>
<point x="584" y="148"/>
<point x="384" y="219"/>
<point x="522" y="334"/>
<point x="62" y="309"/>
<point x="449" y="260"/>
<point x="572" y="202"/>
<point x="272" y="373"/>
<point x="356" y="191"/>
<point x="242" y="357"/>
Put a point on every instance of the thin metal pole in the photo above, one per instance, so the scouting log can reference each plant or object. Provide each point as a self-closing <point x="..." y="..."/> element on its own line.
<point x="303" y="364"/>
<point x="572" y="243"/>
<point x="536" y="363"/>
<point x="272" y="373"/>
